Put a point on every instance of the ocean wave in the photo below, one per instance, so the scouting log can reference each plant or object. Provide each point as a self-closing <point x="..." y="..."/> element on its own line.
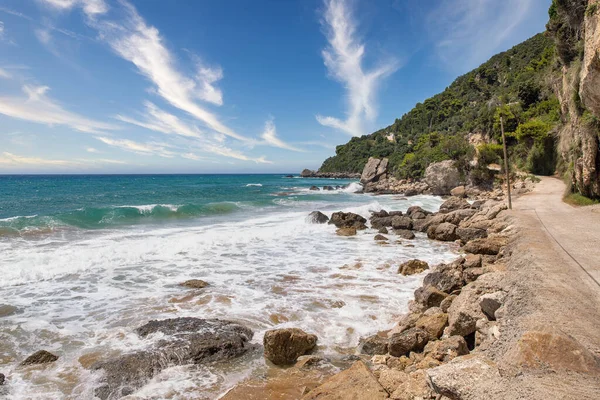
<point x="103" y="217"/>
<point x="254" y="184"/>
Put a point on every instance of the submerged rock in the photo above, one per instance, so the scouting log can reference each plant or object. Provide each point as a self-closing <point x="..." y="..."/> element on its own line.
<point x="380" y="238"/>
<point x="405" y="234"/>
<point x="194" y="284"/>
<point x="284" y="346"/>
<point x="40" y="357"/>
<point x="183" y="341"/>
<point x="317" y="217"/>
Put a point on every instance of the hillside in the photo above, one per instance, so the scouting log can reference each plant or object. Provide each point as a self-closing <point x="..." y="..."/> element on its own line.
<point x="469" y="105"/>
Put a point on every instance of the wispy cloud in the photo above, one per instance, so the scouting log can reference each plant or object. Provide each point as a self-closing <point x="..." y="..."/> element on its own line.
<point x="269" y="135"/>
<point x="344" y="60"/>
<point x="91" y="150"/>
<point x="467" y="32"/>
<point x="142" y="44"/>
<point x="90" y="7"/>
<point x="37" y="107"/>
<point x="5" y="74"/>
<point x="9" y="159"/>
<point x="150" y="148"/>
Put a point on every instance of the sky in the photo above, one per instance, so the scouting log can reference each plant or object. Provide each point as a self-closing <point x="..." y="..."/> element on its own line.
<point x="228" y="86"/>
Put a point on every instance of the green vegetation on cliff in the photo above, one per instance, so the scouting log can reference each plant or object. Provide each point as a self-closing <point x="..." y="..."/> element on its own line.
<point x="512" y="84"/>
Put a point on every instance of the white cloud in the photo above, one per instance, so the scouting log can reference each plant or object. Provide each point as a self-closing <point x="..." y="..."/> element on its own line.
<point x="44" y="36"/>
<point x="150" y="148"/>
<point x="270" y="137"/>
<point x="90" y="7"/>
<point x="467" y="32"/>
<point x="344" y="61"/>
<point x="91" y="150"/>
<point x="39" y="108"/>
<point x="9" y="159"/>
<point x="4" y="74"/>
<point x="141" y="44"/>
<point x="1" y="30"/>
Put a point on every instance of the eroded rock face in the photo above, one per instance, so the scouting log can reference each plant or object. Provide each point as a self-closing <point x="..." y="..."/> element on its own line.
<point x="40" y="357"/>
<point x="182" y="341"/>
<point x="442" y="177"/>
<point x="412" y="267"/>
<point x="284" y="346"/>
<point x="356" y="383"/>
<point x="317" y="217"/>
<point x="589" y="88"/>
<point x="374" y="170"/>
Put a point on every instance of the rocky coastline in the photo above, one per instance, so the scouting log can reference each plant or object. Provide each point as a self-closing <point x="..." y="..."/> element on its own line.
<point x="307" y="173"/>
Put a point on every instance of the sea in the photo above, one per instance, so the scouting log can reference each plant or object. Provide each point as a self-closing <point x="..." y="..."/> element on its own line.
<point x="84" y="260"/>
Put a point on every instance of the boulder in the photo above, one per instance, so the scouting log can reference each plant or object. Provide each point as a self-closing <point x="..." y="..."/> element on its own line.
<point x="445" y="232"/>
<point x="413" y="339"/>
<point x="328" y="188"/>
<point x="401" y="222"/>
<point x="442" y="177"/>
<point x="405" y="234"/>
<point x="383" y="230"/>
<point x="416" y="212"/>
<point x="346" y="232"/>
<point x="7" y="310"/>
<point x="374" y="170"/>
<point x="429" y="296"/>
<point x="348" y="220"/>
<point x="2" y="379"/>
<point x="380" y="238"/>
<point x="421" y="225"/>
<point x="414" y="388"/>
<point x="446" y="281"/>
<point x="406" y="322"/>
<point x="381" y="222"/>
<point x="459" y="191"/>
<point x="489" y="246"/>
<point x="471" y="274"/>
<point x="284" y="346"/>
<point x="194" y="284"/>
<point x="434" y="324"/>
<point x="412" y="267"/>
<point x="446" y="349"/>
<point x="446" y="303"/>
<point x="317" y="217"/>
<point x="374" y="345"/>
<point x="457" y="379"/>
<point x="40" y="357"/>
<point x="307" y="173"/>
<point x="472" y="261"/>
<point x="453" y="204"/>
<point x="356" y="383"/>
<point x="467" y="234"/>
<point x="314" y="188"/>
<point x="490" y="302"/>
<point x="390" y="379"/>
<point x="180" y="341"/>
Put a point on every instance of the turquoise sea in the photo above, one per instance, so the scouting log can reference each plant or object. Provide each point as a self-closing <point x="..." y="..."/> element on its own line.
<point x="84" y="260"/>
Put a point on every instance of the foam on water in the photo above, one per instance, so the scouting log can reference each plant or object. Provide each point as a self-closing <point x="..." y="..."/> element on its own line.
<point x="84" y="296"/>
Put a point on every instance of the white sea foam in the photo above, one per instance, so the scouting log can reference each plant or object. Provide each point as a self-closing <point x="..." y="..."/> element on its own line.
<point x="254" y="184"/>
<point x="17" y="217"/>
<point x="145" y="208"/>
<point x="78" y="296"/>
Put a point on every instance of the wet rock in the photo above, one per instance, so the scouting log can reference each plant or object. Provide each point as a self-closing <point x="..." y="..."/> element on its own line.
<point x="488" y="246"/>
<point x="181" y="341"/>
<point x="416" y="212"/>
<point x="467" y="234"/>
<point x="445" y="232"/>
<point x="447" y="281"/>
<point x="457" y="378"/>
<point x="307" y="362"/>
<point x="491" y="302"/>
<point x="317" y="217"/>
<point x="380" y="238"/>
<point x="434" y="324"/>
<point x="346" y="232"/>
<point x="412" y="267"/>
<point x="328" y="188"/>
<point x="348" y="220"/>
<point x="429" y="296"/>
<point x="314" y="188"/>
<point x="194" y="284"/>
<point x="446" y="349"/>
<point x="413" y="339"/>
<point x="459" y="191"/>
<point x="442" y="177"/>
<point x="40" y="357"/>
<point x="453" y="204"/>
<point x="379" y="214"/>
<point x="405" y="234"/>
<point x="401" y="223"/>
<point x="421" y="225"/>
<point x="2" y="379"/>
<point x="374" y="345"/>
<point x="284" y="346"/>
<point x="7" y="310"/>
<point x="383" y="230"/>
<point x="356" y="383"/>
<point x="381" y="222"/>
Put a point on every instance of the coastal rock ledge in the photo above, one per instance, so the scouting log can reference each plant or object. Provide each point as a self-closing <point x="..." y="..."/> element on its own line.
<point x="179" y="341"/>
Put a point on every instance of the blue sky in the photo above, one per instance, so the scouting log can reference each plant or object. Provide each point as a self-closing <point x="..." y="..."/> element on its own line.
<point x="183" y="86"/>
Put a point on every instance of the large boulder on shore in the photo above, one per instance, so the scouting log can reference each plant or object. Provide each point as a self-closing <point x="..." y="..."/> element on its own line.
<point x="413" y="339"/>
<point x="317" y="217"/>
<point x="445" y="232"/>
<point x="355" y="383"/>
<point x="412" y="267"/>
<point x="453" y="204"/>
<point x="374" y="170"/>
<point x="374" y="345"/>
<point x="348" y="220"/>
<point x="179" y="341"/>
<point x="284" y="346"/>
<point x="442" y="177"/>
